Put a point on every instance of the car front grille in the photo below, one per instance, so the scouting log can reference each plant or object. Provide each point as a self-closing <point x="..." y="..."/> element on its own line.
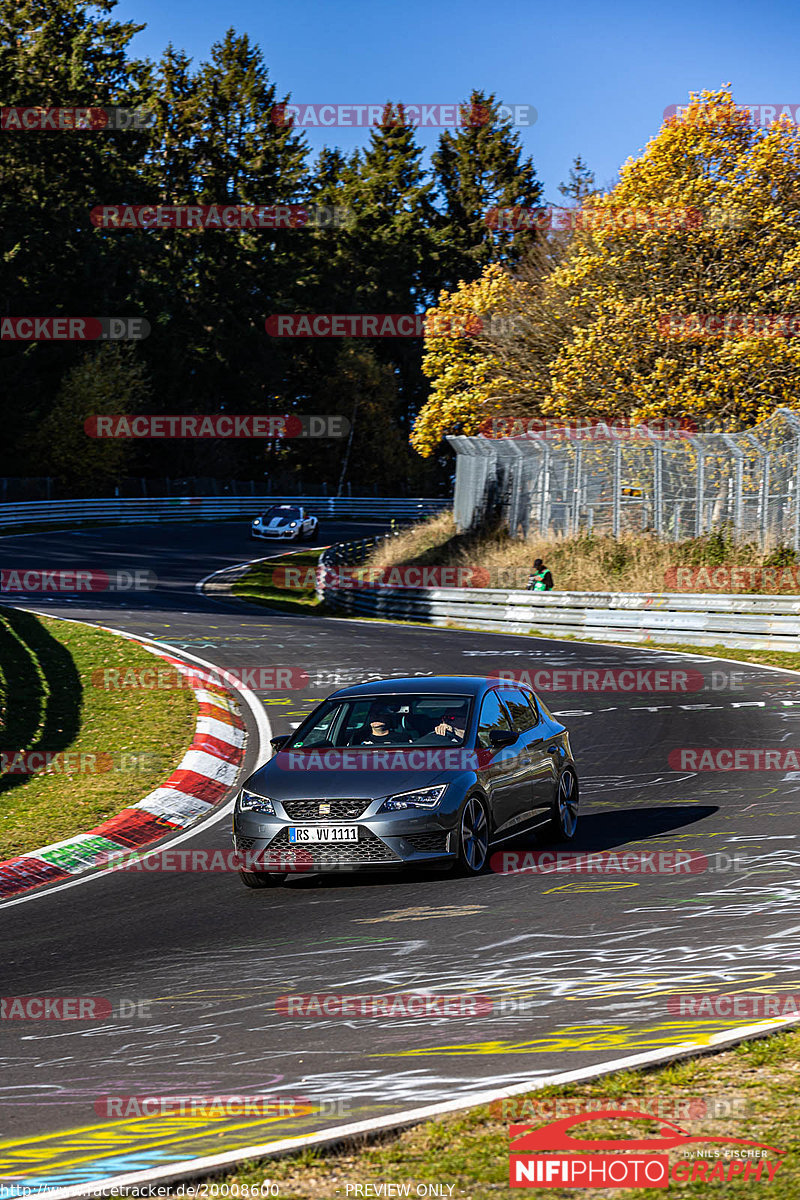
<point x="368" y="849"/>
<point x="245" y="843"/>
<point x="430" y="843"/>
<point x="308" y="810"/>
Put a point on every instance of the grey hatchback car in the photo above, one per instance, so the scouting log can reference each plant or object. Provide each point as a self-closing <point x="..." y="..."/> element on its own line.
<point x="406" y="772"/>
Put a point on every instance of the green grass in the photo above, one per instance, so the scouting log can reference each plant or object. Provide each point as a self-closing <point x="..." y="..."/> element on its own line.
<point x="258" y="584"/>
<point x="757" y="1081"/>
<point x="50" y="703"/>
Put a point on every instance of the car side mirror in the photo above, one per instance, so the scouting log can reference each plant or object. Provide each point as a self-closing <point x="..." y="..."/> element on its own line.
<point x="278" y="742"/>
<point x="502" y="737"/>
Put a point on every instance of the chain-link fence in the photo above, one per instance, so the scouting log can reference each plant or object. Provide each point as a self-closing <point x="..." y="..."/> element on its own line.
<point x="617" y="481"/>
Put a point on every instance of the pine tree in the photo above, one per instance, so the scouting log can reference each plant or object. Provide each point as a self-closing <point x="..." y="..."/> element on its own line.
<point x="479" y="168"/>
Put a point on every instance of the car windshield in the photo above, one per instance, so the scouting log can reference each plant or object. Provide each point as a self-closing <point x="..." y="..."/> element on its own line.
<point x="385" y="720"/>
<point x="282" y="510"/>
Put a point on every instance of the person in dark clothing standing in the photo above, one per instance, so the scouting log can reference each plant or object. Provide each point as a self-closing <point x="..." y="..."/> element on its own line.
<point x="540" y="578"/>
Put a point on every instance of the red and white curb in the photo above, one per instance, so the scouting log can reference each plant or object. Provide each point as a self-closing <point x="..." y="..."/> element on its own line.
<point x="199" y="784"/>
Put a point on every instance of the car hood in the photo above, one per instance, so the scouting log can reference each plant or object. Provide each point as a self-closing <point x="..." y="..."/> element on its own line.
<point x="277" y="522"/>
<point x="279" y="781"/>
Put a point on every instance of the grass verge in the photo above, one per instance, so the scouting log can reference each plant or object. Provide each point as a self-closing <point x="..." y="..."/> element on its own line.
<point x="286" y="583"/>
<point x="747" y="1092"/>
<point x="114" y="746"/>
<point x="630" y="563"/>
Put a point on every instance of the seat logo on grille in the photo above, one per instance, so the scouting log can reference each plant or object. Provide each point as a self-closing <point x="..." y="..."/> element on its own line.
<point x="324" y="809"/>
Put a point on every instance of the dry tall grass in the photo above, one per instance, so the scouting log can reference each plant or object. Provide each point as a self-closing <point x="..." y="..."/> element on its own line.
<point x="631" y="563"/>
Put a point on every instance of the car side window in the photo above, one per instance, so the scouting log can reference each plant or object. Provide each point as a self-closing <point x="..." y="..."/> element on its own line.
<point x="532" y="705"/>
<point x="493" y="716"/>
<point x="522" y="715"/>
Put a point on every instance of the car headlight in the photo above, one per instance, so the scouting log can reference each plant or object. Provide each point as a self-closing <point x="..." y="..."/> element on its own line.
<point x="252" y="803"/>
<point x="420" y="798"/>
<point x="292" y="524"/>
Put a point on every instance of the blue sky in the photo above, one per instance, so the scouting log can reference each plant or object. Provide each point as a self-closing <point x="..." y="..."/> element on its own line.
<point x="600" y="74"/>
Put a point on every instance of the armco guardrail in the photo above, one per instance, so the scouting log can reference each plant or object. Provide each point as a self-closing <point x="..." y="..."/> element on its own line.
<point x="209" y="508"/>
<point x="737" y="621"/>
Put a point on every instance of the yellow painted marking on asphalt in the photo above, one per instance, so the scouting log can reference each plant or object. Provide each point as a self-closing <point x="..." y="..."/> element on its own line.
<point x="578" y="1038"/>
<point x="423" y="913"/>
<point x="590" y="887"/>
<point x="137" y="1135"/>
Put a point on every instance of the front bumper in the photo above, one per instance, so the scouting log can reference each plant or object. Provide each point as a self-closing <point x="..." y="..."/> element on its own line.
<point x="287" y="534"/>
<point x="389" y="840"/>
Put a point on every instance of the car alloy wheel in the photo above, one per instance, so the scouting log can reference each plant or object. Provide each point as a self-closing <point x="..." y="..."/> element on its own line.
<point x="564" y="820"/>
<point x="473" y="841"/>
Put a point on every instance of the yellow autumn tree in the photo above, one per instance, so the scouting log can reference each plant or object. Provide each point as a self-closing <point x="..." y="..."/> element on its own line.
<point x="704" y="222"/>
<point x="462" y="360"/>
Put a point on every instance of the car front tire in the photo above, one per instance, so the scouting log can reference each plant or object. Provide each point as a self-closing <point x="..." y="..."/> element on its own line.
<point x="473" y="837"/>
<point x="257" y="879"/>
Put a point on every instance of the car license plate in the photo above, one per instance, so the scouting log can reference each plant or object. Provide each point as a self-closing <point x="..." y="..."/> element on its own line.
<point x="324" y="833"/>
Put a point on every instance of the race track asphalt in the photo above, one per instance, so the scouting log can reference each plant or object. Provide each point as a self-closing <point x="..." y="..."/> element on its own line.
<point x="580" y="967"/>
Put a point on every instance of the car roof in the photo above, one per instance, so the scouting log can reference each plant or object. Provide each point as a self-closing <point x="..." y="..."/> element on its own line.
<point x="465" y="685"/>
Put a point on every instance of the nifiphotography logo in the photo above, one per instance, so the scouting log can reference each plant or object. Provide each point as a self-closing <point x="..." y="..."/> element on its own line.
<point x="550" y="1156"/>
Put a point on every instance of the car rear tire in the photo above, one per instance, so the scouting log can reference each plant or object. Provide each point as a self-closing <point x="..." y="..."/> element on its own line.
<point x="473" y="837"/>
<point x="257" y="879"/>
<point x="564" y="819"/>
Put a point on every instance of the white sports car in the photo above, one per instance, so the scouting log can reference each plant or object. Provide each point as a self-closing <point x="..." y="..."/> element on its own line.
<point x="288" y="521"/>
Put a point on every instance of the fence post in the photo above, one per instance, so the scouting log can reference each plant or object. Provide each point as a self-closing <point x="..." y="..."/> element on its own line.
<point x="544" y="494"/>
<point x="616" y="515"/>
<point x="700" y="490"/>
<point x="738" y="484"/>
<point x="576" y="499"/>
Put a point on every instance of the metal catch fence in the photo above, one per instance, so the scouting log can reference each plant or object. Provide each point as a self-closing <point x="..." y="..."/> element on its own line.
<point x="678" y="485"/>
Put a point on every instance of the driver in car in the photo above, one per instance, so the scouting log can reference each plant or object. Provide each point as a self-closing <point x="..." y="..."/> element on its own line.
<point x="383" y="728"/>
